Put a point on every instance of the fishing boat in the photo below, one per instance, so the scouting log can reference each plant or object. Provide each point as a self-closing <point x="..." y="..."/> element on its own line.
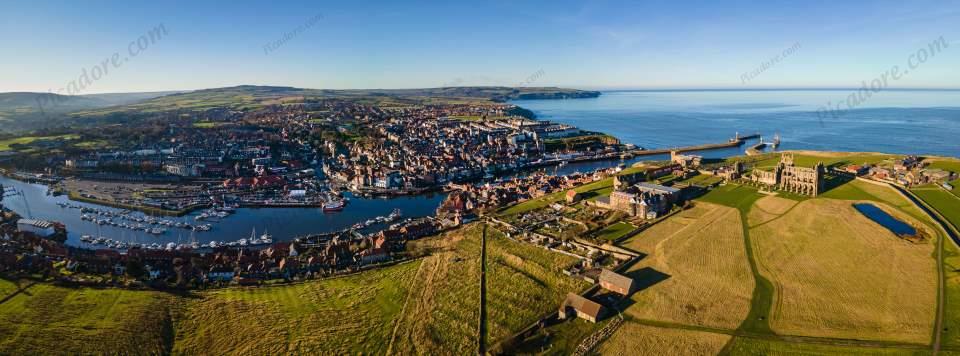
<point x="266" y="238"/>
<point x="336" y="205"/>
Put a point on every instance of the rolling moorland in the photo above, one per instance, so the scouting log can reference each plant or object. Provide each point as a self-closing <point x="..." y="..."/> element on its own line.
<point x="21" y="112"/>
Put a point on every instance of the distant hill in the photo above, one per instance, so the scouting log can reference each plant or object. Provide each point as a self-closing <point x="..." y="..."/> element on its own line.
<point x="27" y="110"/>
<point x="21" y="111"/>
<point x="252" y="97"/>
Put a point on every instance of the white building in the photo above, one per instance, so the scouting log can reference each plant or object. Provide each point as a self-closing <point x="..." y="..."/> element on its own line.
<point x="37" y="227"/>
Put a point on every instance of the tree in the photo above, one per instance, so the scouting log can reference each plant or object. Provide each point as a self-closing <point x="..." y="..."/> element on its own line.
<point x="135" y="268"/>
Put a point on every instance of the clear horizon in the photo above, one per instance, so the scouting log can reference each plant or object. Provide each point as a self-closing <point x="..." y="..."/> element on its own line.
<point x="602" y="45"/>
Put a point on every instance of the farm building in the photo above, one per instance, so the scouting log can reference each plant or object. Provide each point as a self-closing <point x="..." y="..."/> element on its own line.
<point x="616" y="282"/>
<point x="576" y="305"/>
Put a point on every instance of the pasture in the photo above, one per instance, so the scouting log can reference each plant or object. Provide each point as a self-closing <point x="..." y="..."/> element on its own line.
<point x="524" y="282"/>
<point x="696" y="270"/>
<point x="352" y="314"/>
<point x="52" y="319"/>
<point x="637" y="339"/>
<point x="838" y="274"/>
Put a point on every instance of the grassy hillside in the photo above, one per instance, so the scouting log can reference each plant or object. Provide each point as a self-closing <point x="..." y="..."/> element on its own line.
<point x="349" y="315"/>
<point x="253" y="97"/>
<point x="524" y="282"/>
<point x="26" y="111"/>
<point x="46" y="319"/>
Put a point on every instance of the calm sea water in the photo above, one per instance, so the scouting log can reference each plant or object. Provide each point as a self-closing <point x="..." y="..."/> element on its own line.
<point x="894" y="121"/>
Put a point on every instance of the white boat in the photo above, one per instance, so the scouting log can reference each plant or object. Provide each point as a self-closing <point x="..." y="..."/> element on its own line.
<point x="266" y="238"/>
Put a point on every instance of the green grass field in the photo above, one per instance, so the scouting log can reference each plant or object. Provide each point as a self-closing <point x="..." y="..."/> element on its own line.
<point x="58" y="320"/>
<point x="442" y="312"/>
<point x="733" y="195"/>
<point x="208" y="124"/>
<point x="807" y="159"/>
<point x="5" y="144"/>
<point x="348" y="315"/>
<point x="524" y="282"/>
<point x="947" y="205"/>
<point x="8" y="287"/>
<point x="748" y="346"/>
<point x="703" y="180"/>
<point x="615" y="231"/>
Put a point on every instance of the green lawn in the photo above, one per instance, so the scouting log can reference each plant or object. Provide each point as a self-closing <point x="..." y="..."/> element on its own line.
<point x="615" y="231"/>
<point x="770" y="160"/>
<point x="348" y="315"/>
<point x="947" y="204"/>
<point x="7" y="287"/>
<point x="703" y="180"/>
<point x="737" y="196"/>
<point x="524" y="282"/>
<point x="47" y="318"/>
<point x="952" y="165"/>
<point x="5" y="144"/>
<point x="208" y="124"/>
<point x="748" y="346"/>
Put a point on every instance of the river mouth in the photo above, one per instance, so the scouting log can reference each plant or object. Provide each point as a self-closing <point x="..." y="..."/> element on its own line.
<point x="881" y="217"/>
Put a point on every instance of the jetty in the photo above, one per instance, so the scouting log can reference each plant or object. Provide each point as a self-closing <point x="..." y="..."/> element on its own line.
<point x="736" y="141"/>
<point x="758" y="148"/>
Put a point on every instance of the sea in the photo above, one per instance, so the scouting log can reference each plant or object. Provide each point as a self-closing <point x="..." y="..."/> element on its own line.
<point x="924" y="122"/>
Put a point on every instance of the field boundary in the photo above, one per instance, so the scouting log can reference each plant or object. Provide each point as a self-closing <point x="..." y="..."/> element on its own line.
<point x="16" y="292"/>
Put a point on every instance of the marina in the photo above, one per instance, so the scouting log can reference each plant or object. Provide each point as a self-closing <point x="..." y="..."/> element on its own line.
<point x="222" y="226"/>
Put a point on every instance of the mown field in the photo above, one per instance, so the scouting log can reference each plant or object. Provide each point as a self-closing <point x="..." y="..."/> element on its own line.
<point x="7" y="287"/>
<point x="524" y="282"/>
<point x="838" y="274"/>
<point x="636" y="339"/>
<point x="47" y="319"/>
<point x="810" y="158"/>
<point x="749" y="346"/>
<point x="442" y="311"/>
<point x="948" y="206"/>
<point x="769" y="208"/>
<point x="354" y="314"/>
<point x="5" y="144"/>
<point x="696" y="270"/>
<point x="946" y="203"/>
<point x="615" y="231"/>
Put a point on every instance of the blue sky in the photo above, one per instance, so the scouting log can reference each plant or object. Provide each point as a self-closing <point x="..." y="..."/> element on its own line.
<point x="389" y="44"/>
